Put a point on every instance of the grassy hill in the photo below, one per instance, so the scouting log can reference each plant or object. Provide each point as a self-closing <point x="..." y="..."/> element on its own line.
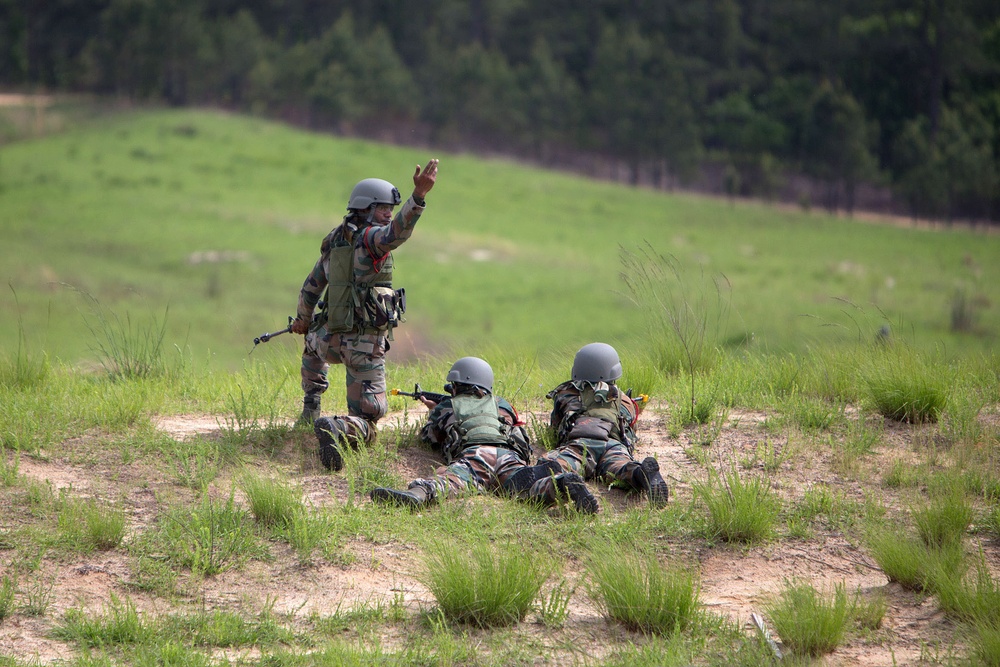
<point x="849" y="492"/>
<point x="207" y="223"/>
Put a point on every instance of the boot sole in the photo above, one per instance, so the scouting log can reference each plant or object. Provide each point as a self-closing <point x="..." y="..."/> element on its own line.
<point x="658" y="491"/>
<point x="578" y="492"/>
<point x="329" y="455"/>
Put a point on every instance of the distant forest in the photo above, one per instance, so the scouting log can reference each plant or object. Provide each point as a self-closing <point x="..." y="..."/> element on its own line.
<point x="889" y="105"/>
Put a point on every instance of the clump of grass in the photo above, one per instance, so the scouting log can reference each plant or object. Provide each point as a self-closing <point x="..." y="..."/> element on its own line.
<point x="553" y="608"/>
<point x="808" y="622"/>
<point x="208" y="539"/>
<point x="944" y="522"/>
<point x="9" y="470"/>
<point x="740" y="510"/>
<point x="127" y="350"/>
<point x="120" y="624"/>
<point x="633" y="589"/>
<point x="90" y="524"/>
<point x="8" y="588"/>
<point x="903" y="386"/>
<point x="486" y="586"/>
<point x="908" y="561"/>
<point x="305" y="532"/>
<point x="687" y="317"/>
<point x="272" y="502"/>
<point x="812" y="414"/>
<point x="868" y="614"/>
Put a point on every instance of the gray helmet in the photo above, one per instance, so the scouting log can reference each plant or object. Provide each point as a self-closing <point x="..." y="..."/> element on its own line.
<point x="597" y="362"/>
<point x="373" y="191"/>
<point x="472" y="370"/>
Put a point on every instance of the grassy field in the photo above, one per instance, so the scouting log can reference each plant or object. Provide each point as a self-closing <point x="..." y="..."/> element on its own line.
<point x="159" y="509"/>
<point x="208" y="223"/>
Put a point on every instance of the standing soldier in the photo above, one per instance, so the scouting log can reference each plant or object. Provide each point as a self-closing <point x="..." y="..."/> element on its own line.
<point x="485" y="448"/>
<point x="361" y="309"/>
<point x="594" y="423"/>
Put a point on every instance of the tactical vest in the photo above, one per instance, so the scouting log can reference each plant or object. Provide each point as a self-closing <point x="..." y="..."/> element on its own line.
<point x="596" y="419"/>
<point x="368" y="308"/>
<point x="477" y="420"/>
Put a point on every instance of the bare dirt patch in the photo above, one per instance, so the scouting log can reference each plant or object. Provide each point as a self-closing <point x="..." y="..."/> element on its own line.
<point x="735" y="581"/>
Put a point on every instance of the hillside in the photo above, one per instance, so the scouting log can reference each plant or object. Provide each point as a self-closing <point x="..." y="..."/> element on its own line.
<point x="205" y="224"/>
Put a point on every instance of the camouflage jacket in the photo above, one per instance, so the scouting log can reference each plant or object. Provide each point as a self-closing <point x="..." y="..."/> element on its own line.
<point x="441" y="432"/>
<point x="372" y="245"/>
<point x="572" y="419"/>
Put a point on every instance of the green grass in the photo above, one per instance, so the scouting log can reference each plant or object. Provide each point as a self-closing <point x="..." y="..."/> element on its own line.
<point x="742" y="509"/>
<point x="485" y="585"/>
<point x="808" y="622"/>
<point x="202" y="226"/>
<point x="176" y="219"/>
<point x="634" y="589"/>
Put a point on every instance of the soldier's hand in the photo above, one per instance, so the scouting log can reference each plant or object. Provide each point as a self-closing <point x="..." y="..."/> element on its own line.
<point x="428" y="402"/>
<point x="300" y="326"/>
<point x="424" y="180"/>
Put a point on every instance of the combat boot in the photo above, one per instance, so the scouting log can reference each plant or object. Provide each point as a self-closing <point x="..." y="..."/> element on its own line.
<point x="646" y="477"/>
<point x="330" y="433"/>
<point x="310" y="410"/>
<point x="412" y="497"/>
<point x="572" y="485"/>
<point x="523" y="479"/>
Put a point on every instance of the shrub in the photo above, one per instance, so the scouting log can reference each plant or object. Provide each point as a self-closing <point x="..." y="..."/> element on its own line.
<point x="635" y="590"/>
<point x="488" y="585"/>
<point x="740" y="510"/>
<point x="808" y="623"/>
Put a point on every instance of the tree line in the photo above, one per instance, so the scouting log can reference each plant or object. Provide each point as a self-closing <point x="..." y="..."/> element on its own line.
<point x="897" y="95"/>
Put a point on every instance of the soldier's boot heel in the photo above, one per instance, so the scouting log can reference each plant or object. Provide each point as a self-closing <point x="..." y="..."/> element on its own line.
<point x="649" y="480"/>
<point x="572" y="484"/>
<point x="330" y="433"/>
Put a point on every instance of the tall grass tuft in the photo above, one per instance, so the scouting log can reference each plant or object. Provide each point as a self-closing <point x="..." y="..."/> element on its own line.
<point x="945" y="520"/>
<point x="488" y="585"/>
<point x="208" y="539"/>
<point x="740" y="510"/>
<point x="8" y="588"/>
<point x="120" y="624"/>
<point x="126" y="349"/>
<point x="89" y="524"/>
<point x="807" y="622"/>
<point x="273" y="503"/>
<point x="687" y="318"/>
<point x="634" y="589"/>
<point x="902" y="385"/>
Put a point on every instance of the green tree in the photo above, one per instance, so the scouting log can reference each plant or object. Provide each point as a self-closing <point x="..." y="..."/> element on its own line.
<point x="836" y="144"/>
<point x="553" y="102"/>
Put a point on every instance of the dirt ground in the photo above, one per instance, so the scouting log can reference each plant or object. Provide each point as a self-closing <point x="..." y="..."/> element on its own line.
<point x="734" y="581"/>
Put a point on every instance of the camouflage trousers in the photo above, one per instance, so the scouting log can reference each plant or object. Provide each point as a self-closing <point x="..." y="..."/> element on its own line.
<point x="363" y="358"/>
<point x="479" y="469"/>
<point x="608" y="462"/>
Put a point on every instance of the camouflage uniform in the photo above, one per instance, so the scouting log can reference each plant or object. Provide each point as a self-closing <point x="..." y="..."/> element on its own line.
<point x="362" y="352"/>
<point x="472" y="467"/>
<point x="595" y="447"/>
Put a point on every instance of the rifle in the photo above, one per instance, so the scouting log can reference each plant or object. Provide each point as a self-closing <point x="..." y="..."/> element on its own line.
<point x="264" y="337"/>
<point x="419" y="393"/>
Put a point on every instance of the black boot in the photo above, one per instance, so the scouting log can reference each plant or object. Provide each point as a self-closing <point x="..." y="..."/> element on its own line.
<point x="412" y="497"/>
<point x="330" y="433"/>
<point x="573" y="485"/>
<point x="310" y="410"/>
<point x="524" y="478"/>
<point x="646" y="477"/>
